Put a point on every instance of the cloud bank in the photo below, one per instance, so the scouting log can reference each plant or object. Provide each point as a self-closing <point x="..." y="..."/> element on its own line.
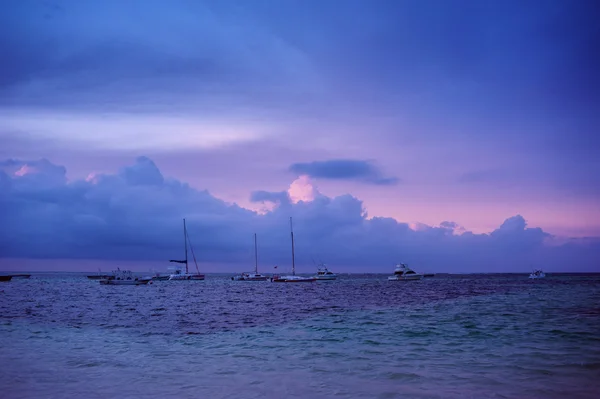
<point x="136" y="214"/>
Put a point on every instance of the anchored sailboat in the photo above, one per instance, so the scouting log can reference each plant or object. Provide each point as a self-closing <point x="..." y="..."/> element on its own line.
<point x="178" y="274"/>
<point x="252" y="276"/>
<point x="293" y="278"/>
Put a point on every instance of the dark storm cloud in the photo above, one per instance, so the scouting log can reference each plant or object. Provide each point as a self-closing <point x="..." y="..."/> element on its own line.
<point x="136" y="214"/>
<point x="343" y="169"/>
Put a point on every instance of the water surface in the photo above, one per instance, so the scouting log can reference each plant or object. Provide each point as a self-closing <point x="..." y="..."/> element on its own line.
<point x="361" y="336"/>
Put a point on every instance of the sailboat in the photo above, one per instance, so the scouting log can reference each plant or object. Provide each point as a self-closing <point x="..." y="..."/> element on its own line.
<point x="293" y="278"/>
<point x="178" y="274"/>
<point x="251" y="276"/>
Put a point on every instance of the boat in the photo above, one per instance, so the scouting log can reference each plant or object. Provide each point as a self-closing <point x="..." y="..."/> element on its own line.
<point x="252" y="276"/>
<point x="292" y="278"/>
<point x="179" y="274"/>
<point x="20" y="276"/>
<point x="324" y="273"/>
<point x="161" y="277"/>
<point x="5" y="278"/>
<point x="125" y="277"/>
<point x="404" y="273"/>
<point x="99" y="276"/>
<point x="537" y="273"/>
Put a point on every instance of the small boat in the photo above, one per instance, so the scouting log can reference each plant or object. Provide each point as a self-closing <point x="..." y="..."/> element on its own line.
<point x="404" y="273"/>
<point x="252" y="276"/>
<point x="5" y="278"/>
<point x="20" y="276"/>
<point x="99" y="276"/>
<point x="125" y="277"/>
<point x="179" y="275"/>
<point x="292" y="278"/>
<point x="537" y="273"/>
<point x="325" y="274"/>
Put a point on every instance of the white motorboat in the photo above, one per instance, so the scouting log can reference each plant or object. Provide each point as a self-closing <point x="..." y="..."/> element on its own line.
<point x="179" y="274"/>
<point x="292" y="278"/>
<point x="124" y="277"/>
<point x="256" y="276"/>
<point x="324" y="273"/>
<point x="537" y="273"/>
<point x="404" y="273"/>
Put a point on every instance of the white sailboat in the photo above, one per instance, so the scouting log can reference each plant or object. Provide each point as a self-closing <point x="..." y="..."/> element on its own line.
<point x="293" y="278"/>
<point x="252" y="276"/>
<point x="179" y="274"/>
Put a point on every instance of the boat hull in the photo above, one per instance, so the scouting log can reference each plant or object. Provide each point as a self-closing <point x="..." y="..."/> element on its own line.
<point x="5" y="278"/>
<point x="124" y="282"/>
<point x="405" y="278"/>
<point x="326" y="278"/>
<point x="100" y="277"/>
<point x="161" y="278"/>
<point x="20" y="276"/>
<point x="179" y="277"/>
<point x="294" y="279"/>
<point x="250" y="277"/>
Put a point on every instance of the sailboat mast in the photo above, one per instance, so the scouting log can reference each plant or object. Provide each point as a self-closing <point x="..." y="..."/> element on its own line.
<point x="185" y="243"/>
<point x="255" y="256"/>
<point x="293" y="256"/>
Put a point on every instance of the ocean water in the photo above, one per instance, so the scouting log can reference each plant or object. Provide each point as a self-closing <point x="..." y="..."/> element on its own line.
<point x="470" y="336"/>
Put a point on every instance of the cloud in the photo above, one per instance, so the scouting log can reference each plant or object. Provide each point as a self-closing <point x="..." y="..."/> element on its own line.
<point x="135" y="214"/>
<point x="343" y="169"/>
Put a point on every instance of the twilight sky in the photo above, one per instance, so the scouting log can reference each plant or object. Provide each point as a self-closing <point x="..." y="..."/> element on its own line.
<point x="466" y="130"/>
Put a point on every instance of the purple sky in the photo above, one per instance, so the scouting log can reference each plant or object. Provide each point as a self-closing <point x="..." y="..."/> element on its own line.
<point x="425" y="112"/>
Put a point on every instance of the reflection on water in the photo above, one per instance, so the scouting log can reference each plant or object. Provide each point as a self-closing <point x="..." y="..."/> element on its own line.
<point x="473" y="336"/>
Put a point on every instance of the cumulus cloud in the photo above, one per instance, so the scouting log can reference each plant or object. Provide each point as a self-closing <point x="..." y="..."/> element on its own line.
<point x="343" y="169"/>
<point x="135" y="214"/>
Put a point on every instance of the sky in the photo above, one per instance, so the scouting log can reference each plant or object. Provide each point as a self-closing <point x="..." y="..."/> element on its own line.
<point x="452" y="135"/>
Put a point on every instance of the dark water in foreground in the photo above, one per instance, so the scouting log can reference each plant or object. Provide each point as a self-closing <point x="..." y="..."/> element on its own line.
<point x="470" y="336"/>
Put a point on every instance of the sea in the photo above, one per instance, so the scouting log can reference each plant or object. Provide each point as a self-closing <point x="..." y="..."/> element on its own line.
<point x="361" y="336"/>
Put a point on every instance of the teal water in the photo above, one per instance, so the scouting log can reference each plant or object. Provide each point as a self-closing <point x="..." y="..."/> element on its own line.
<point x="359" y="337"/>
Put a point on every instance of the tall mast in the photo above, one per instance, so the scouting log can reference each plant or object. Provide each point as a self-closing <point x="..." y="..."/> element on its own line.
<point x="293" y="256"/>
<point x="255" y="256"/>
<point x="185" y="243"/>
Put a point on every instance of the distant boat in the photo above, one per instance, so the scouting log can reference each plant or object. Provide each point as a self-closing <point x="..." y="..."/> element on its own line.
<point x="324" y="273"/>
<point x="537" y="273"/>
<point x="252" y="276"/>
<point x="293" y="278"/>
<point x="5" y="278"/>
<point x="179" y="275"/>
<point x="125" y="277"/>
<point x="18" y="276"/>
<point x="404" y="273"/>
<point x="99" y="276"/>
<point x="160" y="277"/>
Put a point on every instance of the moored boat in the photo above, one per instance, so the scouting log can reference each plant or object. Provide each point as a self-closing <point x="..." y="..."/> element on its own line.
<point x="179" y="274"/>
<point x="256" y="276"/>
<point x="537" y="273"/>
<point x="324" y="273"/>
<point x="20" y="276"/>
<point x="293" y="278"/>
<point x="404" y="273"/>
<point x="125" y="277"/>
